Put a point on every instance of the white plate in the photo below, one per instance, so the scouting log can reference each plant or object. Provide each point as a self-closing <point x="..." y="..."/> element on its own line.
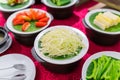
<point x="31" y="2"/>
<point x="6" y="45"/>
<point x="95" y="56"/>
<point x="11" y="59"/>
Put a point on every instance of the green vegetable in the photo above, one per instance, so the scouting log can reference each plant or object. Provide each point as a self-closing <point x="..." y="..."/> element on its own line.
<point x="104" y="68"/>
<point x="92" y="76"/>
<point x="54" y="1"/>
<point x="15" y="2"/>
<point x="7" y="6"/>
<point x="61" y="2"/>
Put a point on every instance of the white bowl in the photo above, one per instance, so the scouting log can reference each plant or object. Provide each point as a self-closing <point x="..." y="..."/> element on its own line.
<point x="60" y="12"/>
<point x="73" y="2"/>
<point x="87" y="18"/>
<point x="95" y="56"/>
<point x="9" y="24"/>
<point x="19" y="35"/>
<point x="100" y="36"/>
<point x="31" y="2"/>
<point x="64" y="61"/>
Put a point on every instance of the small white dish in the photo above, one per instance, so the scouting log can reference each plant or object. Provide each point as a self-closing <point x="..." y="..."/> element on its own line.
<point x="6" y="45"/>
<point x="11" y="59"/>
<point x="95" y="56"/>
<point x="31" y="2"/>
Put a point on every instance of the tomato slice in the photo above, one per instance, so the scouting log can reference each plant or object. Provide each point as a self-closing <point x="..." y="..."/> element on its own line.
<point x="45" y="19"/>
<point x="40" y="16"/>
<point x="17" y="21"/>
<point x="25" y="26"/>
<point x="40" y="24"/>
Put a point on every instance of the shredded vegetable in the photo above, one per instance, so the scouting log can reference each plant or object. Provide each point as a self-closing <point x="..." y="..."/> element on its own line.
<point x="61" y="42"/>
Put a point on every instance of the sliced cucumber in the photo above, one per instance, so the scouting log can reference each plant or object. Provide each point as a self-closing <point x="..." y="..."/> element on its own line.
<point x="62" y="2"/>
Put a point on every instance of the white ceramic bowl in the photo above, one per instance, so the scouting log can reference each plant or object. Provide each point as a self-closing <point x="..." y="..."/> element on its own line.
<point x="31" y="2"/>
<point x="87" y="17"/>
<point x="19" y="35"/>
<point x="60" y="12"/>
<point x="73" y="2"/>
<point x="100" y="36"/>
<point x="95" y="56"/>
<point x="64" y="61"/>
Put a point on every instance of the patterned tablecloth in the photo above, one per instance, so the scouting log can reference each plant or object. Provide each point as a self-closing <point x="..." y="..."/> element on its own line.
<point x="75" y="21"/>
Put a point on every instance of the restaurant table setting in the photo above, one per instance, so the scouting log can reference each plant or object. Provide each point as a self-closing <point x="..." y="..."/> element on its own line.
<point x="22" y="52"/>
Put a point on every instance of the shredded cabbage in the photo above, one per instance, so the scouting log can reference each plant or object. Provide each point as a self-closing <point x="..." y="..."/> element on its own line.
<point x="60" y="42"/>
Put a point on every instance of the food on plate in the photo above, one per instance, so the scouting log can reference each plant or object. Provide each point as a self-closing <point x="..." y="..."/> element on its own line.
<point x="61" y="2"/>
<point x="1" y="36"/>
<point x="14" y="2"/>
<point x="30" y="20"/>
<point x="60" y="43"/>
<point x="104" y="68"/>
<point x="106" y="20"/>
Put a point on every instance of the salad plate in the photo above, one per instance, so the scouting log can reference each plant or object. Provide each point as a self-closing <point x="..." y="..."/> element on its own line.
<point x="114" y="55"/>
<point x="15" y="58"/>
<point x="5" y="7"/>
<point x="6" y="45"/>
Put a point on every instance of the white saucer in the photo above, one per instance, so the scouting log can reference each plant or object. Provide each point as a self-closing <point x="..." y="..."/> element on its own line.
<point x="6" y="45"/>
<point x="11" y="59"/>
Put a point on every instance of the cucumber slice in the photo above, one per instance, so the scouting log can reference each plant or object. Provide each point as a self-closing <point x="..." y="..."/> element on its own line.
<point x="63" y="2"/>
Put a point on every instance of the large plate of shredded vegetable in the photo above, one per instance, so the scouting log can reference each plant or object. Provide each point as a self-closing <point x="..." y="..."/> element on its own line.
<point x="103" y="65"/>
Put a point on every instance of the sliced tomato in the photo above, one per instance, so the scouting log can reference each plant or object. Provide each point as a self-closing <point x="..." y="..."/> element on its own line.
<point x="42" y="15"/>
<point x="40" y="24"/>
<point x="28" y="14"/>
<point x="25" y="26"/>
<point x="45" y="19"/>
<point x="18" y="21"/>
<point x="33" y="14"/>
<point x="37" y="12"/>
<point x="26" y="18"/>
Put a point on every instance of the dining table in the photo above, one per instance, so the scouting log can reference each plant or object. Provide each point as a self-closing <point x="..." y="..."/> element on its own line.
<point x="75" y="21"/>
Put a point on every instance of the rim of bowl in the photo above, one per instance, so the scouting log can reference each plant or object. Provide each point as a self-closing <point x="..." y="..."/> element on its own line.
<point x="31" y="2"/>
<point x="65" y="6"/>
<point x="10" y="26"/>
<point x="113" y="54"/>
<point x="5" y="35"/>
<point x="65" y="61"/>
<point x="87" y="17"/>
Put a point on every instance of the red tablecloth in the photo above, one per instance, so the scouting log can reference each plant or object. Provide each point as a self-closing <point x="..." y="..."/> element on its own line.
<point x="75" y="21"/>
